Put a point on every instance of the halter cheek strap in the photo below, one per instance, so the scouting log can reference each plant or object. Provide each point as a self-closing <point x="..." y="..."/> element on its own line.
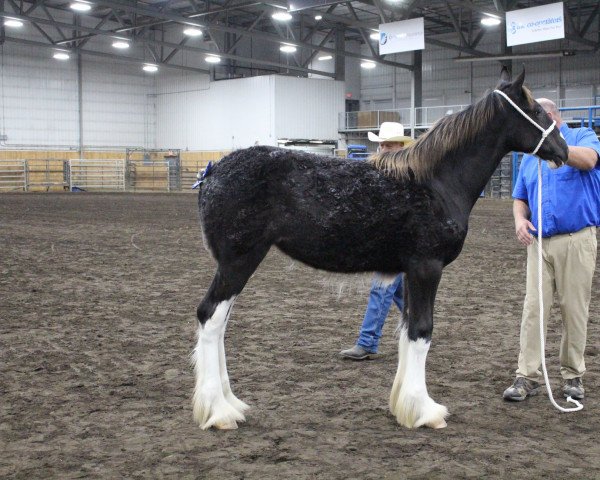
<point x="545" y="132"/>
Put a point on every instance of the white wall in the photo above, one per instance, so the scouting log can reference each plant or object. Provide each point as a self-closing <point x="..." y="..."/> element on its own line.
<point x="307" y="108"/>
<point x="116" y="106"/>
<point x="195" y="114"/>
<point x="38" y="98"/>
<point x="39" y="104"/>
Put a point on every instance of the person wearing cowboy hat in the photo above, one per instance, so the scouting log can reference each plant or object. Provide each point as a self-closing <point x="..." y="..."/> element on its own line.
<point x="391" y="138"/>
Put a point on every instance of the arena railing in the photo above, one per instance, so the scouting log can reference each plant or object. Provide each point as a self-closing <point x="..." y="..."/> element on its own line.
<point x="97" y="174"/>
<point x="574" y="109"/>
<point x="13" y="175"/>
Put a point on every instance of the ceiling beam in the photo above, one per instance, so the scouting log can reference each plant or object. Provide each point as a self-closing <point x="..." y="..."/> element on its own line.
<point x="95" y="53"/>
<point x="145" y="41"/>
<point x="126" y="6"/>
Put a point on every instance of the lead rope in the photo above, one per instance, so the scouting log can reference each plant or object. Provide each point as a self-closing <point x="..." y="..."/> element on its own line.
<point x="578" y="406"/>
<point x="545" y="133"/>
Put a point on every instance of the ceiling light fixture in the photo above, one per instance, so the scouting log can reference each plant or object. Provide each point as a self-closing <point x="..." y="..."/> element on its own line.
<point x="287" y="48"/>
<point x="368" y="65"/>
<point x="192" y="32"/>
<point x="120" y="44"/>
<point x="325" y="57"/>
<point x="80" y="6"/>
<point x="13" y="22"/>
<point x="150" y="67"/>
<point x="318" y="17"/>
<point x="212" y="59"/>
<point x="490" y="20"/>
<point x="61" y="56"/>
<point x="374" y="36"/>
<point x="282" y="16"/>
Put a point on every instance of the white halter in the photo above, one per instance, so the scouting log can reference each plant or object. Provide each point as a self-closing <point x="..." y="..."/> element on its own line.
<point x="545" y="132"/>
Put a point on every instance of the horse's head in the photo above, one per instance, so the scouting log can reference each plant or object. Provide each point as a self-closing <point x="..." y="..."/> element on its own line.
<point x="522" y="133"/>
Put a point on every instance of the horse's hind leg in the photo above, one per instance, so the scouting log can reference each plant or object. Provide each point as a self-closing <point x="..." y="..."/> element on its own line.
<point x="214" y="403"/>
<point x="409" y="400"/>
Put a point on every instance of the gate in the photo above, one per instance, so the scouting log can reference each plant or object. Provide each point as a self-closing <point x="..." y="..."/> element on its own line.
<point x="96" y="174"/>
<point x="152" y="176"/>
<point x="13" y="175"/>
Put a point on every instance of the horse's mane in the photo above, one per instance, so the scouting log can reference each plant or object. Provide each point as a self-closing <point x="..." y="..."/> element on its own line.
<point x="420" y="159"/>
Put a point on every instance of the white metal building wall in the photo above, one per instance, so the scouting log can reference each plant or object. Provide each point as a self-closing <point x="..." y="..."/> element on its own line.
<point x="118" y="110"/>
<point x="40" y="104"/>
<point x="195" y="114"/>
<point x="38" y="98"/>
<point x="307" y="108"/>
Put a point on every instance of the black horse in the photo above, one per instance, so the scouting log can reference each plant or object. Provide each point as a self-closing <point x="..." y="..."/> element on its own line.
<point x="403" y="212"/>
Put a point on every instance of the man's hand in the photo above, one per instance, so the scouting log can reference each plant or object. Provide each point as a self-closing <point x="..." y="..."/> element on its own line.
<point x="523" y="228"/>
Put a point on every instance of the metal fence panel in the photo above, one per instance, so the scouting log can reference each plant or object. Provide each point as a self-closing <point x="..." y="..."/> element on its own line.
<point x="97" y="174"/>
<point x="148" y="176"/>
<point x="13" y="175"/>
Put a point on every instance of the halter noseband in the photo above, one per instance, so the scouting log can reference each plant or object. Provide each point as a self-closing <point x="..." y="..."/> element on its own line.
<point x="545" y="132"/>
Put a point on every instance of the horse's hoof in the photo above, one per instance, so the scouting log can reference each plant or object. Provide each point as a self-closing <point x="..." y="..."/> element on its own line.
<point x="438" y="424"/>
<point x="231" y="425"/>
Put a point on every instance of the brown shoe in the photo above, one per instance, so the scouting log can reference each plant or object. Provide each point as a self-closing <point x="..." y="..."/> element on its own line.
<point x="521" y="389"/>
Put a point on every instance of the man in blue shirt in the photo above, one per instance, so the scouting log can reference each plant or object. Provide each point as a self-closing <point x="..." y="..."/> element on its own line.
<point x="570" y="215"/>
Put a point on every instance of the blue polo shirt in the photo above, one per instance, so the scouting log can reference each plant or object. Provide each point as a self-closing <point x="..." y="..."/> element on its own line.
<point x="570" y="197"/>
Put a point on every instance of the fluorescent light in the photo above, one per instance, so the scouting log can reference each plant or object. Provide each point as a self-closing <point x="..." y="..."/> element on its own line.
<point x="318" y="17"/>
<point x="80" y="6"/>
<point x="325" y="57"/>
<point x="120" y="44"/>
<point x="13" y="22"/>
<point x="287" y="48"/>
<point x="61" y="56"/>
<point x="193" y="32"/>
<point x="150" y="67"/>
<point x="374" y="36"/>
<point x="368" y="64"/>
<point x="282" y="16"/>
<point x="212" y="59"/>
<point x="490" y="21"/>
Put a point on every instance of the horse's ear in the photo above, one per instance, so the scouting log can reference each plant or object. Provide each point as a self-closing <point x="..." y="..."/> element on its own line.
<point x="518" y="83"/>
<point x="505" y="75"/>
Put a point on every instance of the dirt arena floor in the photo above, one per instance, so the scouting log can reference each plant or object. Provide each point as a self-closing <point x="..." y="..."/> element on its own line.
<point x="97" y="302"/>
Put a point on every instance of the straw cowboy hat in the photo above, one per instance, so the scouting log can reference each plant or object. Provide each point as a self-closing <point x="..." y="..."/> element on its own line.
<point x="390" y="132"/>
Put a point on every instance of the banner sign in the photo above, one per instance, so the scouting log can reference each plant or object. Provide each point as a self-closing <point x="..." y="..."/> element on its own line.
<point x="403" y="36"/>
<point x="536" y="24"/>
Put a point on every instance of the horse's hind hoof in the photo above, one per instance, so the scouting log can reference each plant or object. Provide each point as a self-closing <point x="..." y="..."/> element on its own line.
<point x="231" y="425"/>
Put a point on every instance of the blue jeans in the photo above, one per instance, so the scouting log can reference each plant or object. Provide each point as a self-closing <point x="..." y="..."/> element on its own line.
<point x="380" y="301"/>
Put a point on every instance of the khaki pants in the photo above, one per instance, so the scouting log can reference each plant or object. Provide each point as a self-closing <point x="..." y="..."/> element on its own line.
<point x="568" y="268"/>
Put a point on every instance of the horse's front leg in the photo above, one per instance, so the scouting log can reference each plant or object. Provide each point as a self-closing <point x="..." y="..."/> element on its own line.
<point x="409" y="401"/>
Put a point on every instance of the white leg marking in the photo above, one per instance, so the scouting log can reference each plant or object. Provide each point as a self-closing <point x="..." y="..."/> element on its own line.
<point x="235" y="402"/>
<point x="409" y="400"/>
<point x="210" y="406"/>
